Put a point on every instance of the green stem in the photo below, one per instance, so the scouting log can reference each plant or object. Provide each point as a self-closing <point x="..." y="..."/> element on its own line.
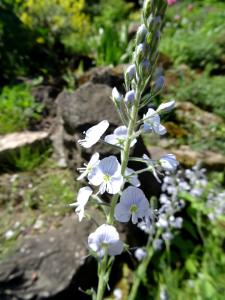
<point x="102" y="265"/>
<point x="124" y="161"/>
<point x="139" y="275"/>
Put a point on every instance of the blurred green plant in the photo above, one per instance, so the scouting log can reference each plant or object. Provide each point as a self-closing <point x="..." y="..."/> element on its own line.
<point x="203" y="90"/>
<point x="17" y="108"/>
<point x="110" y="40"/>
<point x="28" y="158"/>
<point x="195" y="34"/>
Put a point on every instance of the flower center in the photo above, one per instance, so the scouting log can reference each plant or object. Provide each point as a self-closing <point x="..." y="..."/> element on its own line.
<point x="106" y="178"/>
<point x="133" y="208"/>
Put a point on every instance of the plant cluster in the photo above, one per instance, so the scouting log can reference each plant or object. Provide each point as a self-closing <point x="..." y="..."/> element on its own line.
<point x="17" y="108"/>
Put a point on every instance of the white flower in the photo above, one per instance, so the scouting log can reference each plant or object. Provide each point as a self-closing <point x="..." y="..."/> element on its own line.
<point x="152" y="122"/>
<point x="117" y="97"/>
<point x="131" y="177"/>
<point x="88" y="167"/>
<point x="93" y="134"/>
<point x="133" y="204"/>
<point x="105" y="239"/>
<point x="107" y="175"/>
<point x="168" y="162"/>
<point x="118" y="137"/>
<point x="140" y="254"/>
<point x="82" y="199"/>
<point x="166" y="107"/>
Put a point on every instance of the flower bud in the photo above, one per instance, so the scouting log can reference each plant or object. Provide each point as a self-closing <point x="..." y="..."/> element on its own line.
<point x="141" y="34"/>
<point x="166" y="107"/>
<point x="117" y="97"/>
<point x="158" y="84"/>
<point x="147" y="8"/>
<point x="129" y="97"/>
<point x="131" y="72"/>
<point x="139" y="52"/>
<point x="145" y="67"/>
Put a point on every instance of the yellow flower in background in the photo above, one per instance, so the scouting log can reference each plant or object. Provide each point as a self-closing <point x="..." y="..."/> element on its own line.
<point x="58" y="16"/>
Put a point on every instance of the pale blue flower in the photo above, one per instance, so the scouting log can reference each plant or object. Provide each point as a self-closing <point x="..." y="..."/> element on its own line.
<point x="118" y="137"/>
<point x="152" y="122"/>
<point x="133" y="204"/>
<point x="168" y="162"/>
<point x="107" y="175"/>
<point x="88" y="167"/>
<point x="140" y="254"/>
<point x="82" y="199"/>
<point x="93" y="134"/>
<point x="105" y="239"/>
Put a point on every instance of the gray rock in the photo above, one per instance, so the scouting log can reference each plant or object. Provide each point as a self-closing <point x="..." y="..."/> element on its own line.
<point x="50" y="266"/>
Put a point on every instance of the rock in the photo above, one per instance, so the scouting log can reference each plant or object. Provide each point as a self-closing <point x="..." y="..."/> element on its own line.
<point x="187" y="112"/>
<point x="105" y="75"/>
<point x="188" y="157"/>
<point x="45" y="95"/>
<point x="11" y="143"/>
<point x="50" y="266"/>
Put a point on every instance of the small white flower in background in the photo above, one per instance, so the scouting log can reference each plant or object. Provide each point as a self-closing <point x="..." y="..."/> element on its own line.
<point x="166" y="107"/>
<point x="118" y="137"/>
<point x="176" y="222"/>
<point x="167" y="236"/>
<point x="105" y="239"/>
<point x="118" y="294"/>
<point x="88" y="167"/>
<point x="82" y="198"/>
<point x="117" y="97"/>
<point x="93" y="134"/>
<point x="133" y="204"/>
<point x="132" y="177"/>
<point x="162" y="221"/>
<point x="157" y="244"/>
<point x="9" y="234"/>
<point x="152" y="122"/>
<point x="107" y="175"/>
<point x="140" y="254"/>
<point x="168" y="162"/>
<point x="129" y="97"/>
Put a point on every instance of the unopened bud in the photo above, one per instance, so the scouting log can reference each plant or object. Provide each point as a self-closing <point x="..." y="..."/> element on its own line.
<point x="131" y="72"/>
<point x="145" y="67"/>
<point x="141" y="34"/>
<point x="140" y="52"/>
<point x="166" y="107"/>
<point x="117" y="97"/>
<point x="129" y="97"/>
<point x="147" y="8"/>
<point x="158" y="84"/>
